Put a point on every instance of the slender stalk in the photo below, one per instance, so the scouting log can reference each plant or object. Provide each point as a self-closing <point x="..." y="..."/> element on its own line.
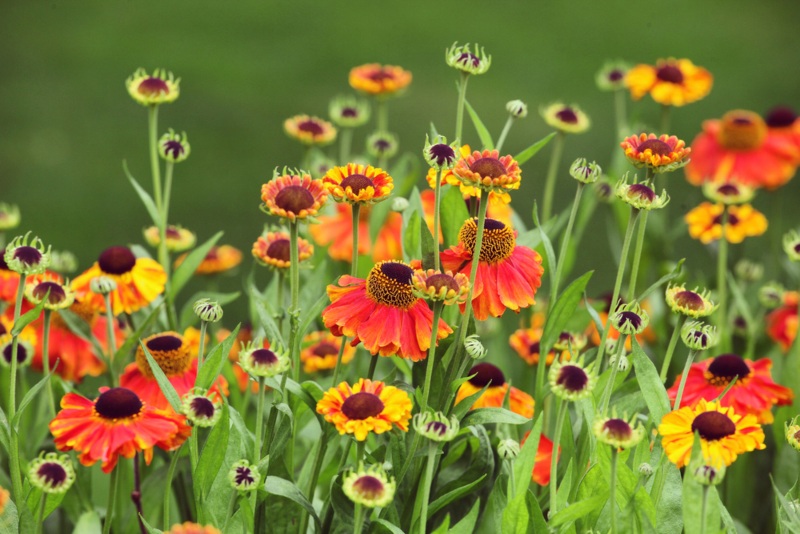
<point x="462" y="96"/>
<point x="281" y="281"/>
<point x="552" y="171"/>
<point x="437" y="312"/>
<point x="613" y="503"/>
<point x="637" y="255"/>
<point x="382" y="115"/>
<point x="562" y="414"/>
<point x="136" y="494"/>
<point x="620" y="348"/>
<point x="703" y="509"/>
<point x="112" y="498"/>
<point x="51" y="400"/>
<point x="426" y="488"/>
<point x="673" y="341"/>
<point x="345" y="141"/>
<point x="259" y="421"/>
<point x="506" y="128"/>
<point x="437" y="198"/>
<point x="358" y="521"/>
<point x="562" y="254"/>
<point x="294" y="287"/>
<point x="173" y="464"/>
<point x="686" y="367"/>
<point x="373" y="364"/>
<point x="40" y="515"/>
<point x="201" y="349"/>
<point x="722" y="285"/>
<point x="361" y="450"/>
<point x="512" y="480"/>
<point x="169" y="168"/>
<point x="356" y="212"/>
<point x="111" y="340"/>
<point x="16" y="475"/>
<point x="409" y="458"/>
<point x="155" y="169"/>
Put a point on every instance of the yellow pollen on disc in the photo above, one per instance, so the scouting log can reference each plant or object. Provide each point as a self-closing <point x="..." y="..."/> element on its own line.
<point x="172" y="362"/>
<point x="742" y="130"/>
<point x="498" y="240"/>
<point x="384" y="289"/>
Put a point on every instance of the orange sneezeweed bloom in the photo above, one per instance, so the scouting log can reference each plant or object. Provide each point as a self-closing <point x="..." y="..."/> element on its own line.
<point x="358" y="184"/>
<point x="293" y="196"/>
<point x="662" y="152"/>
<point x="487" y="374"/>
<point x="753" y="393"/>
<point x="321" y="349"/>
<point x="671" y="82"/>
<point x="705" y="222"/>
<point x="310" y="130"/>
<point x="217" y="260"/>
<point x="379" y="80"/>
<point x="488" y="171"/>
<point x="741" y="148"/>
<point x="192" y="528"/>
<point x="782" y="322"/>
<point x="273" y="250"/>
<point x="526" y="342"/>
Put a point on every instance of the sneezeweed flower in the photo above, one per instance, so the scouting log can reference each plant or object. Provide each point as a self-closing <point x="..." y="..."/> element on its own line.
<point x="618" y="433"/>
<point x="567" y="119"/>
<point x="671" y="82"/>
<point x="174" y="147"/>
<point x="508" y="275"/>
<point x="192" y="528"/>
<point x="347" y="111"/>
<point x="382" y="144"/>
<point x="117" y="423"/>
<point x="379" y="80"/>
<point x="640" y="196"/>
<point x="690" y="303"/>
<point x="491" y="377"/>
<point x="571" y="380"/>
<point x="621" y="361"/>
<point x="526" y="341"/>
<point x="218" y="259"/>
<point x="51" y="472"/>
<point x="739" y="147"/>
<point x="707" y="473"/>
<point x="444" y="287"/>
<point x="263" y="362"/>
<point x="321" y="351"/>
<point x="783" y="121"/>
<point x="366" y="406"/>
<point x="630" y="319"/>
<point x="383" y="312"/>
<point x="370" y="487"/>
<point x="310" y="130"/>
<point x="585" y="172"/>
<point x="645" y="469"/>
<point x="791" y="245"/>
<point x="152" y="90"/>
<point x="488" y="171"/>
<point x="462" y="59"/>
<point x="59" y="295"/>
<point x="508" y="449"/>
<point x="337" y="232"/>
<point x="9" y="281"/>
<point x="612" y="75"/>
<point x="705" y="222"/>
<point x="178" y="238"/>
<point x="664" y="153"/>
<point x="724" y="434"/>
<point x="273" y="250"/>
<point x="603" y="190"/>
<point x="244" y="476"/>
<point x="24" y="257"/>
<point x="782" y="324"/>
<point x="748" y="271"/>
<point x="25" y="351"/>
<point x="753" y="393"/>
<point x="201" y="408"/>
<point x="699" y="336"/>
<point x="728" y="193"/>
<point x="543" y="459"/>
<point x="102" y="285"/>
<point x="207" y="310"/>
<point x="358" y="184"/>
<point x="9" y="216"/>
<point x="570" y="342"/>
<point x="436" y="426"/>
<point x="139" y="281"/>
<point x="517" y="109"/>
<point x="439" y="155"/>
<point x="293" y="195"/>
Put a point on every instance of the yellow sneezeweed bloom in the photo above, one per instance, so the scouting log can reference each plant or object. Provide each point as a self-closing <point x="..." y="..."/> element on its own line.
<point x="358" y="184"/>
<point x="310" y="130"/>
<point x="569" y="119"/>
<point x="379" y="80"/>
<point x="671" y="82"/>
<point x="705" y="222"/>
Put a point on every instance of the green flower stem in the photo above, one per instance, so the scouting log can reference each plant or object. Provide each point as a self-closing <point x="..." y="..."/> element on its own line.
<point x="163" y="253"/>
<point x="722" y="286"/>
<point x="426" y="487"/>
<point x="201" y="349"/>
<point x="51" y="400"/>
<point x="620" y="349"/>
<point x="358" y="521"/>
<point x="686" y="367"/>
<point x="506" y="128"/>
<point x="168" y="170"/>
<point x="345" y="141"/>
<point x="259" y="432"/>
<point x="382" y="116"/>
<point x="152" y="121"/>
<point x="703" y="508"/>
<point x="462" y="97"/>
<point x="40" y="515"/>
<point x="136" y="495"/>
<point x="273" y="415"/>
<point x="294" y="287"/>
<point x="111" y="340"/>
<point x="112" y="499"/>
<point x="562" y="254"/>
<point x="356" y="212"/>
<point x="665" y="118"/>
<point x="613" y="503"/>
<point x="16" y="475"/>
<point x="361" y="450"/>
<point x="562" y="415"/>
<point x="373" y="364"/>
<point x="409" y="458"/>
<point x="173" y="464"/>
<point x="281" y="282"/>
<point x="426" y="390"/>
<point x="637" y="256"/>
<point x="552" y="171"/>
<point x="626" y="244"/>
<point x="512" y="486"/>
<point x="673" y="341"/>
<point x="437" y="198"/>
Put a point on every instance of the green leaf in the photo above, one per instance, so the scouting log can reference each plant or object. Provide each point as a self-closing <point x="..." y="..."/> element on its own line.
<point x="412" y="247"/>
<point x="388" y="526"/>
<point x="5" y="439"/>
<point x="531" y="151"/>
<point x="481" y="416"/>
<point x="298" y="391"/>
<point x="483" y="132"/>
<point x="310" y="315"/>
<point x="150" y="529"/>
<point x="212" y="366"/>
<point x="453" y="212"/>
<point x="145" y="197"/>
<point x="187" y="316"/>
<point x="740" y="300"/>
<point x="655" y="396"/>
<point x="285" y="488"/>
<point x="163" y="382"/>
<point x="562" y="311"/>
<point x="213" y="454"/>
<point x="186" y="269"/>
<point x="28" y="317"/>
<point x="453" y="495"/>
<point x="427" y="245"/>
<point x="88" y="523"/>
<point x="663" y="280"/>
<point x="579" y="509"/>
<point x="516" y="518"/>
<point x="548" y="249"/>
<point x="28" y="398"/>
<point x="266" y="317"/>
<point x="467" y="523"/>
<point x="523" y="465"/>
<point x="9" y="519"/>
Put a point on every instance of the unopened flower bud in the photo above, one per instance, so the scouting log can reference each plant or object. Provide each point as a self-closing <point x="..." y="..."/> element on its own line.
<point x="645" y="469"/>
<point x="9" y="216"/>
<point x="584" y="172"/>
<point x="474" y="347"/>
<point x="400" y="204"/>
<point x="208" y="310"/>
<point x="517" y="109"/>
<point x="102" y="285"/>
<point x="174" y="147"/>
<point x="508" y="449"/>
<point x="771" y="295"/>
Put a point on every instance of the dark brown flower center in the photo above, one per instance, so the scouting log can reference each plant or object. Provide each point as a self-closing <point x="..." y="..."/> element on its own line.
<point x="153" y="86"/>
<point x="279" y="250"/>
<point x="656" y="146"/>
<point x="689" y="300"/>
<point x="57" y="293"/>
<point x="641" y="191"/>
<point x="369" y="487"/>
<point x="244" y="476"/>
<point x="362" y="405"/>
<point x="117" y="403"/>
<point x="164" y="343"/>
<point x="781" y="117"/>
<point x="380" y="75"/>
<point x="116" y="260"/>
<point x="399" y="272"/>
<point x="264" y="357"/>
<point x="713" y="426"/>
<point x="700" y="338"/>
<point x="618" y="429"/>
<point x="439" y="280"/>
<point x="294" y="198"/>
<point x="726" y="367"/>
<point x="173" y="148"/>
<point x="53" y="473"/>
<point x="498" y="239"/>
<point x="733" y="220"/>
<point x="28" y="255"/>
<point x="669" y="73"/>
<point x="325" y="348"/>
<point x="742" y="131"/>
<point x="442" y="154"/>
<point x="567" y="115"/>
<point x="488" y="167"/>
<point x="615" y="75"/>
<point x="2" y="329"/>
<point x="381" y="145"/>
<point x="466" y="58"/>
<point x="311" y="126"/>
<point x="390" y="283"/>
<point x="486" y="373"/>
<point x="203" y="407"/>
<point x="572" y="378"/>
<point x="357" y="183"/>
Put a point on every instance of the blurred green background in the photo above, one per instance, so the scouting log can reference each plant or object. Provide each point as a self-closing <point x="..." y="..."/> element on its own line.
<point x="67" y="122"/>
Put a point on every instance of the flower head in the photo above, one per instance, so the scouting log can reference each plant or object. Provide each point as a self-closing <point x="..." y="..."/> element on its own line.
<point x="293" y="196"/>
<point x="728" y="193"/>
<point x="612" y="75"/>
<point x="436" y="426"/>
<point x="690" y="303"/>
<point x="321" y="350"/>
<point x="640" y="196"/>
<point x="664" y="153"/>
<point x="379" y="80"/>
<point x="488" y="376"/>
<point x="699" y="336"/>
<point x="9" y="216"/>
<point x="748" y="271"/>
<point x="571" y="380"/>
<point x="771" y="295"/>
<point x="337" y="232"/>
<point x="707" y="473"/>
<point x="617" y="432"/>
<point x="59" y="295"/>
<point x="25" y="351"/>
<point x="382" y="144"/>
<point x="348" y="111"/>
<point x="218" y="259"/>
<point x="526" y="341"/>
<point x="508" y="449"/>
<point x="358" y="184"/>
<point x="178" y="238"/>
<point x="671" y="82"/>
<point x="584" y="172"/>
<point x="117" y="423"/>
<point x="200" y="408"/>
<point x="461" y="58"/>
<point x="366" y="406"/>
<point x="438" y="286"/>
<point x="724" y="434"/>
<point x="174" y="147"/>
<point x="151" y="90"/>
<point x="782" y="323"/>
<point x="488" y="171"/>
<point x="207" y="310"/>
<point x="517" y="109"/>
<point x="568" y="119"/>
<point x="262" y="362"/>
<point x="706" y="222"/>
<point x="244" y="476"/>
<point x="25" y="257"/>
<point x="273" y="249"/>
<point x="51" y="472"/>
<point x="371" y="487"/>
<point x="310" y="130"/>
<point x="439" y="155"/>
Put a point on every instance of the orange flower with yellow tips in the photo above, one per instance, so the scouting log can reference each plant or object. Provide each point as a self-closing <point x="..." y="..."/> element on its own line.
<point x="671" y="82"/>
<point x="358" y="184"/>
<point x="705" y="222"/>
<point x="379" y="80"/>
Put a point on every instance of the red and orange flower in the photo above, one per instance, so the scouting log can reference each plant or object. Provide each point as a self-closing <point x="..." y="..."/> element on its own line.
<point x="488" y="171"/>
<point x="379" y="80"/>
<point x="782" y="322"/>
<point x="117" y="423"/>
<point x="358" y="184"/>
<point x="273" y="249"/>
<point x="337" y="231"/>
<point x="661" y="154"/>
<point x="671" y="82"/>
<point x="293" y="196"/>
<point x="383" y="312"/>
<point x="705" y="222"/>
<point x="485" y="374"/>
<point x="544" y="456"/>
<point x="753" y="393"/>
<point x="508" y="275"/>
